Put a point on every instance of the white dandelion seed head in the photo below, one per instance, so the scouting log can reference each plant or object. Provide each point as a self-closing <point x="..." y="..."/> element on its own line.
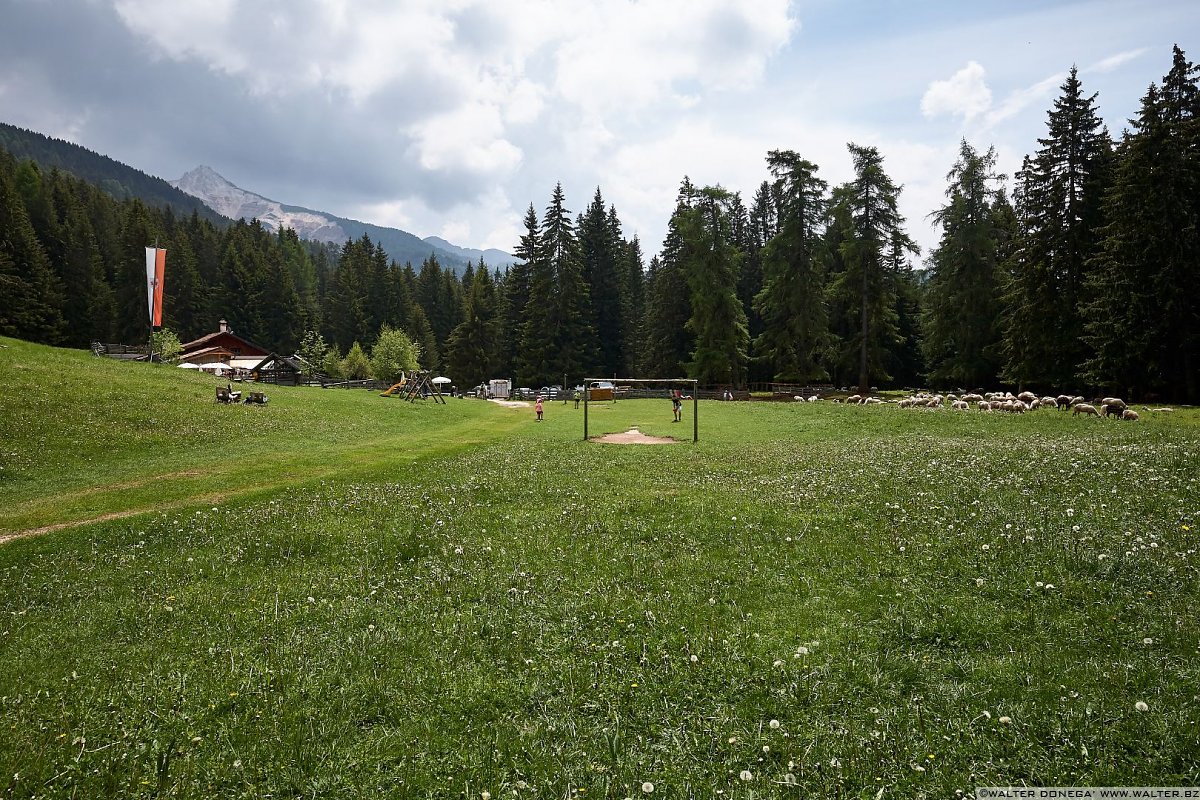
<point x="1147" y="640"/>
<point x="835" y="762"/>
<point x="979" y="581"/>
<point x="777" y="663"/>
<point x="985" y="547"/>
<point x="746" y="775"/>
<point x="1005" y="720"/>
<point x="1140" y="705"/>
<point x="694" y="658"/>
<point x="485" y="795"/>
<point x="773" y="724"/>
<point x="648" y="787"/>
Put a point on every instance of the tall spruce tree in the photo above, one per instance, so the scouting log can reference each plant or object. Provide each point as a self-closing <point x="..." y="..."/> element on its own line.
<point x="871" y="238"/>
<point x="30" y="293"/>
<point x="1142" y="320"/>
<point x="710" y="263"/>
<point x="516" y="293"/>
<point x="791" y="303"/>
<point x="600" y="249"/>
<point x="961" y="321"/>
<point x="1059" y="205"/>
<point x="471" y="352"/>
<point x="668" y="342"/>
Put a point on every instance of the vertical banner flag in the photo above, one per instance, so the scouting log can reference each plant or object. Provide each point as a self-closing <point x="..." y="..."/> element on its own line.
<point x="156" y="265"/>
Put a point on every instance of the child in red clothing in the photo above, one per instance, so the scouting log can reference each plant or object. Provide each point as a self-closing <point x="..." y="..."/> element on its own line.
<point x="538" y="408"/>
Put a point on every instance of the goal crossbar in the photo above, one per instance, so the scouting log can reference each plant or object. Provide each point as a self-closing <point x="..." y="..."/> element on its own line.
<point x="671" y="382"/>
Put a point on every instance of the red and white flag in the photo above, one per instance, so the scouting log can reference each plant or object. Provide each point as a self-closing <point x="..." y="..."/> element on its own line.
<point x="156" y="264"/>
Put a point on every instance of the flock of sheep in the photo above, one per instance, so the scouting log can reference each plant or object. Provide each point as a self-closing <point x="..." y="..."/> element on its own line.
<point x="1007" y="401"/>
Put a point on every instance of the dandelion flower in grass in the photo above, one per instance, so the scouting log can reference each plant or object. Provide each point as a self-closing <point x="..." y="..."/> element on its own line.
<point x="694" y="658"/>
<point x="777" y="663"/>
<point x="801" y="650"/>
<point x="773" y="724"/>
<point x="979" y="581"/>
<point x="1005" y="720"/>
<point x="835" y="762"/>
<point x="789" y="779"/>
<point x="1140" y="705"/>
<point x="1147" y="640"/>
<point x="746" y="775"/>
<point x="485" y="795"/>
<point x="985" y="547"/>
<point x="648" y="787"/>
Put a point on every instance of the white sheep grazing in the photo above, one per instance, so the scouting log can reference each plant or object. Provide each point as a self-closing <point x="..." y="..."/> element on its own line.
<point x="1163" y="410"/>
<point x="1049" y="402"/>
<point x="972" y="398"/>
<point x="961" y="405"/>
<point x="872" y="401"/>
<point x="854" y="398"/>
<point x="1115" y="402"/>
<point x="1130" y="415"/>
<point x="1027" y="397"/>
<point x="984" y="405"/>
<point x="814" y="398"/>
<point x="1084" y="408"/>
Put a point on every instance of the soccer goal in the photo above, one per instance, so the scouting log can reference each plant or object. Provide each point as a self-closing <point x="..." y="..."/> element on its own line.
<point x="684" y="388"/>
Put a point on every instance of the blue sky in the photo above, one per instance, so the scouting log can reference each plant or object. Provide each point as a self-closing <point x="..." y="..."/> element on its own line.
<point x="450" y="117"/>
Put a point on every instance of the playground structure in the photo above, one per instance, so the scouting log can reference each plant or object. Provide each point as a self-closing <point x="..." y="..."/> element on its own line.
<point x="416" y="385"/>
<point x="667" y="384"/>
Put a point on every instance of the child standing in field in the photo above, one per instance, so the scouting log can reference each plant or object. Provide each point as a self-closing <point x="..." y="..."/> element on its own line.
<point x="538" y="408"/>
<point x="677" y="405"/>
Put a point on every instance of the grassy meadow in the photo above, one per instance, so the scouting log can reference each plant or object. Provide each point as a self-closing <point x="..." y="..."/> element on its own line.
<point x="342" y="595"/>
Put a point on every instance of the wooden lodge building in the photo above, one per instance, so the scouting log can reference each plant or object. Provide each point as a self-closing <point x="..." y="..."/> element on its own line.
<point x="224" y="347"/>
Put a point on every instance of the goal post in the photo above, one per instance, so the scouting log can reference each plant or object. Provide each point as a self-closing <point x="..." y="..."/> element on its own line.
<point x="667" y="384"/>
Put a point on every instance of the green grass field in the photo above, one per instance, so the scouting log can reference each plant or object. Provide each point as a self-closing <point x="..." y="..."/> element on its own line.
<point x="342" y="595"/>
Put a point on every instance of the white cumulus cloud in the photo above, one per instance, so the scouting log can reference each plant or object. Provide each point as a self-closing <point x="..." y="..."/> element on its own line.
<point x="964" y="94"/>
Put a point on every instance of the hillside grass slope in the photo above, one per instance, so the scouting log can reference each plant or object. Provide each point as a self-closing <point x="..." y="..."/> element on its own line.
<point x="814" y="600"/>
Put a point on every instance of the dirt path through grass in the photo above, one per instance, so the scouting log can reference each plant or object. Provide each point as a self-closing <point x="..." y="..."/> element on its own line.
<point x="206" y="481"/>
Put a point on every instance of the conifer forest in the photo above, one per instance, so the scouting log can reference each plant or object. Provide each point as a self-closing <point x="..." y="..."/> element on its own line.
<point x="1077" y="274"/>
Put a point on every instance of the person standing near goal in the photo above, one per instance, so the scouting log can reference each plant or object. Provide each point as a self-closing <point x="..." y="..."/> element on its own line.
<point x="677" y="405"/>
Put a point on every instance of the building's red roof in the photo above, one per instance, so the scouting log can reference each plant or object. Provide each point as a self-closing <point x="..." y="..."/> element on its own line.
<point x="226" y="340"/>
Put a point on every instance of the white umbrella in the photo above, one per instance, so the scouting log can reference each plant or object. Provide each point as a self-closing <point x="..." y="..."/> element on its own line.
<point x="189" y="365"/>
<point x="216" y="367"/>
<point x="441" y="379"/>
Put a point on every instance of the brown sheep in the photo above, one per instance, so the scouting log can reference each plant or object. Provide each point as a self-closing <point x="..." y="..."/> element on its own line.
<point x="1084" y="408"/>
<point x="1130" y="415"/>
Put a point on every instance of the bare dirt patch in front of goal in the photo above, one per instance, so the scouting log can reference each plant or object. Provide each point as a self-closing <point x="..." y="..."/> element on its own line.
<point x="632" y="436"/>
<point x="510" y="403"/>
